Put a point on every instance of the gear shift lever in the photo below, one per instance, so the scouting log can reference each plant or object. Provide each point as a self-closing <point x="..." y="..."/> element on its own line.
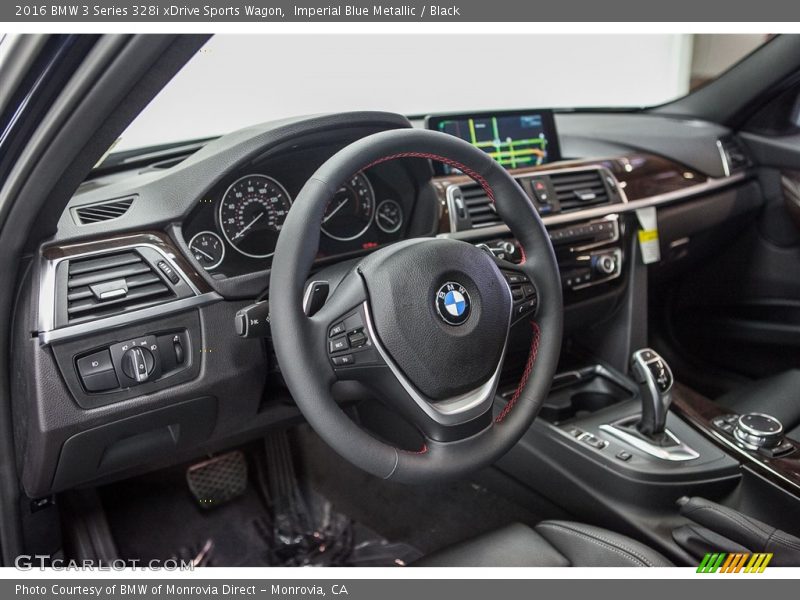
<point x="654" y="377"/>
<point x="647" y="432"/>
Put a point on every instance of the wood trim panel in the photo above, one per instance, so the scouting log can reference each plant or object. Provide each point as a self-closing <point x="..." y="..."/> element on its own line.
<point x="158" y="239"/>
<point x="699" y="411"/>
<point x="640" y="176"/>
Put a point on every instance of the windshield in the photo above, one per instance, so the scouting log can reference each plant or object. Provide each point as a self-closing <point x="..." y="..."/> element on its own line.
<point x="240" y="80"/>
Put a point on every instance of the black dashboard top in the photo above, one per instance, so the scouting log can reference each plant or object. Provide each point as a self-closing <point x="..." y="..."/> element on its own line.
<point x="223" y="204"/>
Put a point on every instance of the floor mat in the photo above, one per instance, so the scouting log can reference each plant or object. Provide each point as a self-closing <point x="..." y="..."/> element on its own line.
<point x="156" y="517"/>
<point x="427" y="517"/>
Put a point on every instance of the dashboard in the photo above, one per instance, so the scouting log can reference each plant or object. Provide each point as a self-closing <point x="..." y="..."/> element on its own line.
<point x="136" y="302"/>
<point x="235" y="226"/>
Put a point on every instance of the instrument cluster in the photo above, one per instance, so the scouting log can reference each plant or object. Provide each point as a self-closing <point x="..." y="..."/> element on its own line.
<point x="235" y="228"/>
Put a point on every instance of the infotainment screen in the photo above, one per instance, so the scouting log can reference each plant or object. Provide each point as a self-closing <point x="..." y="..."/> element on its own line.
<point x="514" y="139"/>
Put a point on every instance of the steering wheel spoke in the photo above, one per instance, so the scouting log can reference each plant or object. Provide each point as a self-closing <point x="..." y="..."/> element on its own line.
<point x="356" y="354"/>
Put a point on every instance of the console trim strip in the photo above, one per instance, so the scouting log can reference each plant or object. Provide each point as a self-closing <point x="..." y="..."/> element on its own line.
<point x="679" y="453"/>
<point x="116" y="321"/>
<point x="606" y="209"/>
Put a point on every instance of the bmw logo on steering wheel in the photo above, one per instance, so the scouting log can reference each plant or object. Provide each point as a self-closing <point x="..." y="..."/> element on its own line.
<point x="453" y="303"/>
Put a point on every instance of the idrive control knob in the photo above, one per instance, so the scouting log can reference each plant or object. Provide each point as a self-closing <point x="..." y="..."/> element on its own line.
<point x="138" y="363"/>
<point x="757" y="430"/>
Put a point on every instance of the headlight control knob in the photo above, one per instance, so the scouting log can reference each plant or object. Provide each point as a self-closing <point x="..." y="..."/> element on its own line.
<point x="756" y="430"/>
<point x="138" y="363"/>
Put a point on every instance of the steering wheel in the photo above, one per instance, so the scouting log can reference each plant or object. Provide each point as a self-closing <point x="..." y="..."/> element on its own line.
<point x="424" y="322"/>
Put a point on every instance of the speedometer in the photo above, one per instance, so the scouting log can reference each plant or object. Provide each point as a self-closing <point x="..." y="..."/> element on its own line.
<point x="349" y="214"/>
<point x="252" y="213"/>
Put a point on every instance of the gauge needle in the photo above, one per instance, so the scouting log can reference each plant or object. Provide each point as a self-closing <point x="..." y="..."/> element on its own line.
<point x="335" y="210"/>
<point x="248" y="226"/>
<point x="389" y="220"/>
<point x="206" y="254"/>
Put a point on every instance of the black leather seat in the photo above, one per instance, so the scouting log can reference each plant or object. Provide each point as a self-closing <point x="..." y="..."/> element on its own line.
<point x="778" y="396"/>
<point x="551" y="544"/>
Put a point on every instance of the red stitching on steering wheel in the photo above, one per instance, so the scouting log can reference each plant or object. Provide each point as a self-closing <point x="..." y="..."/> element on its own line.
<point x="463" y="168"/>
<point x="525" y="374"/>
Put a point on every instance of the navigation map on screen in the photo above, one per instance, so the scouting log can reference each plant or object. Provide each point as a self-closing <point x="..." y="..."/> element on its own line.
<point x="519" y="140"/>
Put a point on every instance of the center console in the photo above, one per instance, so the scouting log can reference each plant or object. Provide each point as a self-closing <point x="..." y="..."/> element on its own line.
<point x="589" y="253"/>
<point x="628" y="450"/>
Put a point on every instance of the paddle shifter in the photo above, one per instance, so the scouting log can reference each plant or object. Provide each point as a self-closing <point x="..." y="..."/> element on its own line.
<point x="654" y="377"/>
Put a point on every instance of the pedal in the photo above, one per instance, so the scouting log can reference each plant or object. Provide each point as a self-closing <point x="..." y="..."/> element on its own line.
<point x="218" y="480"/>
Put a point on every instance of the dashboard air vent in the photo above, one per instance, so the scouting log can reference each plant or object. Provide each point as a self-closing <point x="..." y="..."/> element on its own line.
<point x="734" y="157"/>
<point x="480" y="211"/>
<point x="103" y="211"/>
<point x="575" y="190"/>
<point x="112" y="284"/>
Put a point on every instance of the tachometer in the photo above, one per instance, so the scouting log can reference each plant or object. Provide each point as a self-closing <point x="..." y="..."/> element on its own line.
<point x="349" y="214"/>
<point x="252" y="213"/>
<point x="208" y="249"/>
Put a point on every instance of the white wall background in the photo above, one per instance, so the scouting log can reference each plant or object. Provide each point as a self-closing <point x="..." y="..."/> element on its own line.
<point x="240" y="80"/>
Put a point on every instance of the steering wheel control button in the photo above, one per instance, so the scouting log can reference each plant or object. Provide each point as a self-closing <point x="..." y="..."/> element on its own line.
<point x="453" y="303"/>
<point x="338" y="344"/>
<point x="523" y="293"/>
<point x="526" y="307"/>
<point x="357" y="339"/>
<point x="344" y="360"/>
<point x="351" y="346"/>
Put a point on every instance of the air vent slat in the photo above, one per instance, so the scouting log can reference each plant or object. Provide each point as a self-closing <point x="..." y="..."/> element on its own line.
<point x="103" y="211"/>
<point x="104" y="262"/>
<point x="111" y="284"/>
<point x="144" y="279"/>
<point x="577" y="190"/>
<point x="132" y="297"/>
<point x="480" y="211"/>
<point x="108" y="274"/>
<point x="733" y="153"/>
